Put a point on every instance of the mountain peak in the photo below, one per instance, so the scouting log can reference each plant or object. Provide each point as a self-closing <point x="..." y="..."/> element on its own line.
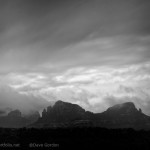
<point x="66" y="105"/>
<point x="59" y="102"/>
<point x="62" y="112"/>
<point x="124" y="107"/>
<point x="128" y="104"/>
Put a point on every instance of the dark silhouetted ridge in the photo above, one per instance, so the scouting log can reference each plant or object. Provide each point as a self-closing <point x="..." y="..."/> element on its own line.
<point x="64" y="114"/>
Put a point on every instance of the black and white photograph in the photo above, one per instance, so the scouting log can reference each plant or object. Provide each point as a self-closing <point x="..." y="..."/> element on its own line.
<point x="75" y="74"/>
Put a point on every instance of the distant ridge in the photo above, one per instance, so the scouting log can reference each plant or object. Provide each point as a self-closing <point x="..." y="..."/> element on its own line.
<point x="14" y="119"/>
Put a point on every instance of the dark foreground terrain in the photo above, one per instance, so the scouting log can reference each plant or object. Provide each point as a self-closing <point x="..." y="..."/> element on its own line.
<point x="74" y="138"/>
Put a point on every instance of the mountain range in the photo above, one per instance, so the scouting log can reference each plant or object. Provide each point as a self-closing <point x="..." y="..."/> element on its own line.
<point x="64" y="115"/>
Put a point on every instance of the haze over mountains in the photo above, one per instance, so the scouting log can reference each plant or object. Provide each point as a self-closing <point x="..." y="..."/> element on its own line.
<point x="14" y="119"/>
<point x="10" y="99"/>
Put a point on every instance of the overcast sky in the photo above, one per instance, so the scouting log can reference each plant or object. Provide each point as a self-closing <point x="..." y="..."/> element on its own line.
<point x="53" y="48"/>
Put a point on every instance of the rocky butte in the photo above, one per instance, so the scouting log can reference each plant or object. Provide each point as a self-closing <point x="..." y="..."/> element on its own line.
<point x="64" y="114"/>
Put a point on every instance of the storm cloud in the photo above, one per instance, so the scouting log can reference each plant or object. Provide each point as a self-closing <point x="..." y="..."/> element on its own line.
<point x="35" y="35"/>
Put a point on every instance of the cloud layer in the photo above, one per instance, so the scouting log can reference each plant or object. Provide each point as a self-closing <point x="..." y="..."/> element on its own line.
<point x="43" y="36"/>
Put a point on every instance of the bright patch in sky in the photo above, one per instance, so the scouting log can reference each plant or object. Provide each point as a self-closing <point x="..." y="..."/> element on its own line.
<point x="94" y="88"/>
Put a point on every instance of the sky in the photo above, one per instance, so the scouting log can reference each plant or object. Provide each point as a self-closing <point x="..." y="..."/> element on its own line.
<point x="95" y="53"/>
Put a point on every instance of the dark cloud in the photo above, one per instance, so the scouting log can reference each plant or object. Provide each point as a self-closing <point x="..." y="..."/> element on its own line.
<point x="35" y="32"/>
